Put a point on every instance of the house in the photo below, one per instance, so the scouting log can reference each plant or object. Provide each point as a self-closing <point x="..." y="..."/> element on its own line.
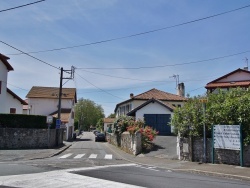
<point x="108" y="122"/>
<point x="9" y="101"/>
<point x="236" y="78"/>
<point x="44" y="101"/>
<point x="154" y="106"/>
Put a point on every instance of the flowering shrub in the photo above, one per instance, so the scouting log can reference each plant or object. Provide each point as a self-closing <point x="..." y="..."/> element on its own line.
<point x="148" y="135"/>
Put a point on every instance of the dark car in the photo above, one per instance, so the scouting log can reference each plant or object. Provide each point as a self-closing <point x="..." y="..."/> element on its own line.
<point x="96" y="132"/>
<point x="100" y="137"/>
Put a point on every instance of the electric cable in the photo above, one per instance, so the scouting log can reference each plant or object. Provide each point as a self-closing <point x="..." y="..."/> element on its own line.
<point x="21" y="6"/>
<point x="171" y="65"/>
<point x="138" y="34"/>
<point x="98" y="87"/>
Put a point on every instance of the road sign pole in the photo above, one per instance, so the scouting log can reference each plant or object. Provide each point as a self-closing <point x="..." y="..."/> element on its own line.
<point x="213" y="144"/>
<point x="241" y="147"/>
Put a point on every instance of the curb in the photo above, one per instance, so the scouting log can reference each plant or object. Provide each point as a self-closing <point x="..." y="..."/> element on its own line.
<point x="217" y="174"/>
<point x="54" y="154"/>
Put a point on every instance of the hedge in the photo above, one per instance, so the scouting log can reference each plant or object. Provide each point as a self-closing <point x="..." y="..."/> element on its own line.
<point x="24" y="121"/>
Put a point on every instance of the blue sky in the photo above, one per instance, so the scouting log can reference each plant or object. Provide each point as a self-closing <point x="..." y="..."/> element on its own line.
<point x="102" y="75"/>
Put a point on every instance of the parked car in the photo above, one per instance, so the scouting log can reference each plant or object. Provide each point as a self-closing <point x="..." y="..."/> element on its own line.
<point x="96" y="131"/>
<point x="100" y="137"/>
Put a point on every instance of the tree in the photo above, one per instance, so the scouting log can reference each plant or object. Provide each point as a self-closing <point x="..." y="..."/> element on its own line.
<point x="88" y="113"/>
<point x="112" y="115"/>
<point x="223" y="108"/>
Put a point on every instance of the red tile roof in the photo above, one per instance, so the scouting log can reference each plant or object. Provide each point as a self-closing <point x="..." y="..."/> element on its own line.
<point x="4" y="59"/>
<point x="51" y="93"/>
<point x="159" y="95"/>
<point x="217" y="84"/>
<point x="108" y="120"/>
<point x="154" y="94"/>
<point x="228" y="84"/>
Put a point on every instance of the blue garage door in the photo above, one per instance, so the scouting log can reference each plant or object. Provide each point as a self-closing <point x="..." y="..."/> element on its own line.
<point x="159" y="122"/>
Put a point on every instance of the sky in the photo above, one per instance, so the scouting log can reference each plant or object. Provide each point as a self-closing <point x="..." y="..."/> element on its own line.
<point x="120" y="47"/>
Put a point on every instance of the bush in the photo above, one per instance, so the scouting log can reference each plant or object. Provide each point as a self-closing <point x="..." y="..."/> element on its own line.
<point x="24" y="121"/>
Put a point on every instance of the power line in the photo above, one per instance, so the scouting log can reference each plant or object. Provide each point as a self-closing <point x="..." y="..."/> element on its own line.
<point x="30" y="55"/>
<point x="99" y="88"/>
<point x="22" y="6"/>
<point x="142" y="33"/>
<point x="124" y="77"/>
<point x="170" y="65"/>
<point x="16" y="86"/>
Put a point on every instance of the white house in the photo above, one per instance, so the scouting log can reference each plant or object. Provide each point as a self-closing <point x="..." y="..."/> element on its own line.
<point x="236" y="78"/>
<point x="44" y="101"/>
<point x="9" y="101"/>
<point x="155" y="107"/>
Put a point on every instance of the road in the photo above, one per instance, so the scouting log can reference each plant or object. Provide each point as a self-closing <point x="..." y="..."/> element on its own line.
<point x="93" y="164"/>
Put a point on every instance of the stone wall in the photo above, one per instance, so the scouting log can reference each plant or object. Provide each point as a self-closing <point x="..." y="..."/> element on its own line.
<point x="191" y="149"/>
<point x="15" y="138"/>
<point x="128" y="143"/>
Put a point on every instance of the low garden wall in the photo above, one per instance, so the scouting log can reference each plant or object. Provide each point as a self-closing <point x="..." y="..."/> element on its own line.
<point x="18" y="138"/>
<point x="129" y="143"/>
<point x="191" y="149"/>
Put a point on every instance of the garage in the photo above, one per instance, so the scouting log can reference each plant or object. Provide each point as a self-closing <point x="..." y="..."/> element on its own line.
<point x="159" y="122"/>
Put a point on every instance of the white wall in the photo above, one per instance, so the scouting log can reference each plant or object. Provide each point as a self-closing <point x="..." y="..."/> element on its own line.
<point x="43" y="106"/>
<point x="3" y="79"/>
<point x="152" y="108"/>
<point x="238" y="76"/>
<point x="12" y="102"/>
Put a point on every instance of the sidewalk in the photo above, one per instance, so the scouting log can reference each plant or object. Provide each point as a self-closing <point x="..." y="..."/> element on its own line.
<point x="219" y="170"/>
<point x="31" y="154"/>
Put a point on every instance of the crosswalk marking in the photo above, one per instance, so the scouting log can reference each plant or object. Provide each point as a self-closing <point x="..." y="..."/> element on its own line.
<point x="79" y="156"/>
<point x="93" y="156"/>
<point x="108" y="156"/>
<point x="65" y="156"/>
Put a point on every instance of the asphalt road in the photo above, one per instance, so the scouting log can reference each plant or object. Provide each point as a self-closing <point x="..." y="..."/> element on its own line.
<point x="146" y="176"/>
<point x="93" y="164"/>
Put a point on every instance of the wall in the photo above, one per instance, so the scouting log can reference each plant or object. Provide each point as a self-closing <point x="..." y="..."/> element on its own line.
<point x="128" y="143"/>
<point x="238" y="76"/>
<point x="191" y="149"/>
<point x="43" y="106"/>
<point x="3" y="79"/>
<point x="13" y="103"/>
<point x="13" y="138"/>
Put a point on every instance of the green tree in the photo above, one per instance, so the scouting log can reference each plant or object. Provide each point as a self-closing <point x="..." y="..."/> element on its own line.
<point x="223" y="108"/>
<point x="112" y="115"/>
<point x="100" y="125"/>
<point x="88" y="113"/>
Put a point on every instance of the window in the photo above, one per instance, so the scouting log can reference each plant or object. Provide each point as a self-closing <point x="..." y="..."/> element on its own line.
<point x="12" y="110"/>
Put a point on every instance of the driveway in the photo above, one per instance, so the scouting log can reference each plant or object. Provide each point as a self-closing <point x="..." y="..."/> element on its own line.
<point x="165" y="147"/>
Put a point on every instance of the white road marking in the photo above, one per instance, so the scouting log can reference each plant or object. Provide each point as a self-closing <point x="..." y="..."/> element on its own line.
<point x="65" y="156"/>
<point x="79" y="156"/>
<point x="61" y="178"/>
<point x="92" y="156"/>
<point x="108" y="156"/>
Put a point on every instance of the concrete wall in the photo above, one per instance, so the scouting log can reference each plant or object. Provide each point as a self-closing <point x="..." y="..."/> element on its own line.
<point x="128" y="143"/>
<point x="191" y="149"/>
<point x="3" y="92"/>
<point x="13" y="138"/>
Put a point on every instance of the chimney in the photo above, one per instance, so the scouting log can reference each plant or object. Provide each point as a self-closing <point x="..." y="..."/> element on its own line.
<point x="181" y="90"/>
<point x="131" y="95"/>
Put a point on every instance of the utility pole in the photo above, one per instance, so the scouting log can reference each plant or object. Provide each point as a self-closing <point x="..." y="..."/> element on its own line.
<point x="71" y="72"/>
